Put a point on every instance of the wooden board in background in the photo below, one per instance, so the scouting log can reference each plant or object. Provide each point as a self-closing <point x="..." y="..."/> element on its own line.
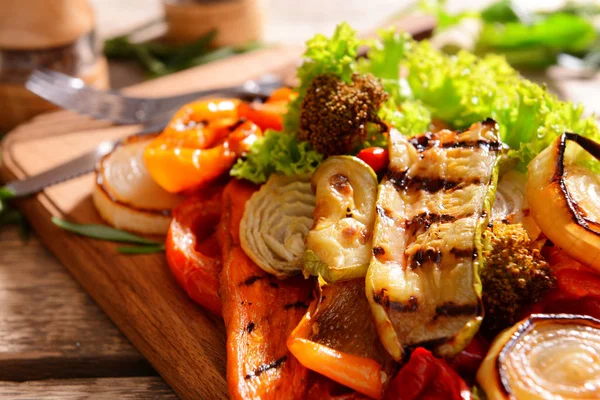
<point x="185" y="344"/>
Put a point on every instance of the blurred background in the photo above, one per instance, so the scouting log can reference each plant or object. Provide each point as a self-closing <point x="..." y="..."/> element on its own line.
<point x="145" y="39"/>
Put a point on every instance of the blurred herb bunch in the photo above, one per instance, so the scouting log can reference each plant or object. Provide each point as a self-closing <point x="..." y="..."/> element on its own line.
<point x="529" y="39"/>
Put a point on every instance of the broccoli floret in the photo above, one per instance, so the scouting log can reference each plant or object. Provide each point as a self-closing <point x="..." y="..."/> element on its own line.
<point x="335" y="115"/>
<point x="515" y="274"/>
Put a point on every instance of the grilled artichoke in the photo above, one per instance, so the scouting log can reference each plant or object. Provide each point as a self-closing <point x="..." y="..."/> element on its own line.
<point x="275" y="223"/>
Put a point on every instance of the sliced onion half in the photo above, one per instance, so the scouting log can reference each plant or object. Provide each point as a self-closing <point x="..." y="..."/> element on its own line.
<point x="565" y="199"/>
<point x="125" y="194"/>
<point x="544" y="357"/>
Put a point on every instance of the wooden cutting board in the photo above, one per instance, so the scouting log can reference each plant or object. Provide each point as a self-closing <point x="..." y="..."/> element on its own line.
<point x="185" y="344"/>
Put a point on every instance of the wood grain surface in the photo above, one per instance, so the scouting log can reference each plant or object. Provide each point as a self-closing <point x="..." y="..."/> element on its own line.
<point x="97" y="389"/>
<point x="49" y="328"/>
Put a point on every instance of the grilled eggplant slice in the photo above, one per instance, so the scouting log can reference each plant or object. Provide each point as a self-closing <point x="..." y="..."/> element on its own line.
<point x="432" y="207"/>
<point x="546" y="356"/>
<point x="339" y="242"/>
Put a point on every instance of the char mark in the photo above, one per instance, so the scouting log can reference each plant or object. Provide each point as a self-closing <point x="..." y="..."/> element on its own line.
<point x="274" y="285"/>
<point x="299" y="304"/>
<point x="424" y="256"/>
<point x="341" y="184"/>
<point x="474" y="144"/>
<point x="251" y="280"/>
<point x="250" y="327"/>
<point x="411" y="306"/>
<point x="382" y="298"/>
<point x="402" y="182"/>
<point x="451" y="309"/>
<point x="424" y="220"/>
<point x="265" y="367"/>
<point x="384" y="212"/>
<point x="459" y="253"/>
<point x="378" y="251"/>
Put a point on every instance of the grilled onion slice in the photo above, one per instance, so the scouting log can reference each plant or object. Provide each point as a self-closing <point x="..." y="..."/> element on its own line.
<point x="339" y="243"/>
<point x="275" y="223"/>
<point x="565" y="199"/>
<point x="511" y="205"/>
<point x="544" y="357"/>
<point x="432" y="207"/>
<point x="125" y="194"/>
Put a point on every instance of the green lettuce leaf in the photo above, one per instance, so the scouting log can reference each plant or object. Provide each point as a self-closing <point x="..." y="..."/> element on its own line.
<point x="276" y="152"/>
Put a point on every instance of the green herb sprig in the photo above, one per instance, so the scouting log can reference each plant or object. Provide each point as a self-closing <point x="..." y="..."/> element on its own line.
<point x="158" y="59"/>
<point x="107" y="233"/>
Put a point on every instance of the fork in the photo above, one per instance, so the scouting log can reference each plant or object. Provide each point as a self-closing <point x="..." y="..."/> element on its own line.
<point x="73" y="94"/>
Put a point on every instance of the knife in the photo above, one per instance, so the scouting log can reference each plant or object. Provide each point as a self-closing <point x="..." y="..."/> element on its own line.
<point x="73" y="168"/>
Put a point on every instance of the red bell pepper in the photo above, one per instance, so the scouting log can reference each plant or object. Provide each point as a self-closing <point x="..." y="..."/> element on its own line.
<point x="426" y="377"/>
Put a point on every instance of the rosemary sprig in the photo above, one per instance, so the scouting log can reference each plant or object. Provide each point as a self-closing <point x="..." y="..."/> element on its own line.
<point x="107" y="233"/>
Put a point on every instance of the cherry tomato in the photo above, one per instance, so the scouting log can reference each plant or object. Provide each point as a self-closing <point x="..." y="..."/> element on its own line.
<point x="426" y="377"/>
<point x="467" y="362"/>
<point x="378" y="158"/>
<point x="192" y="250"/>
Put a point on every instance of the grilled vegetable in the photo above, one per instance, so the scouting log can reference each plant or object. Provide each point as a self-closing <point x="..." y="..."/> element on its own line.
<point x="565" y="199"/>
<point x="432" y="207"/>
<point x="337" y="338"/>
<point x="339" y="243"/>
<point x="511" y="205"/>
<point x="545" y="356"/>
<point x="259" y="312"/>
<point x="192" y="250"/>
<point x="125" y="194"/>
<point x="275" y="224"/>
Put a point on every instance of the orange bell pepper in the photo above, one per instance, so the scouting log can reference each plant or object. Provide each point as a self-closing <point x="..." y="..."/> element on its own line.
<point x="201" y="143"/>
<point x="282" y="94"/>
<point x="259" y="312"/>
<point x="337" y="338"/>
<point x="265" y="115"/>
<point x="192" y="250"/>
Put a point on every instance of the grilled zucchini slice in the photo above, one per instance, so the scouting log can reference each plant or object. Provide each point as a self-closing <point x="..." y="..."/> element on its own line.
<point x="339" y="242"/>
<point x="432" y="207"/>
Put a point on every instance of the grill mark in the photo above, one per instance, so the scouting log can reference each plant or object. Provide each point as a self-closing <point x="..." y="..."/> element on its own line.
<point x="431" y="185"/>
<point x="341" y="184"/>
<point x="265" y="367"/>
<point x="378" y="251"/>
<point x="474" y="144"/>
<point x="409" y="307"/>
<point x="251" y="280"/>
<point x="425" y="220"/>
<point x="421" y="257"/>
<point x="297" y="305"/>
<point x="238" y="123"/>
<point x="382" y="298"/>
<point x="250" y="327"/>
<point x="451" y="309"/>
<point x="459" y="253"/>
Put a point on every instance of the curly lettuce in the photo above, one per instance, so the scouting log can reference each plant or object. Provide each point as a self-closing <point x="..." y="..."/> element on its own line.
<point x="276" y="152"/>
<point x="424" y="84"/>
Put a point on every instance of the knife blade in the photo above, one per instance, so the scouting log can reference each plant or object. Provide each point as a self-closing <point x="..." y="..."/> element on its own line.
<point x="71" y="169"/>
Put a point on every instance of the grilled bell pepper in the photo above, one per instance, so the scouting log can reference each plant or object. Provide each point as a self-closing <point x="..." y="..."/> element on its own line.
<point x="337" y="338"/>
<point x="192" y="250"/>
<point x="201" y="143"/>
<point x="260" y="312"/>
<point x="433" y="205"/>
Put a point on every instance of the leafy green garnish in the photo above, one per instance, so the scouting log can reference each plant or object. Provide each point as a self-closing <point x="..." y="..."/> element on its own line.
<point x="6" y="193"/>
<point x="277" y="152"/>
<point x="323" y="55"/>
<point x="102" y="232"/>
<point x="141" y="249"/>
<point x="159" y="59"/>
